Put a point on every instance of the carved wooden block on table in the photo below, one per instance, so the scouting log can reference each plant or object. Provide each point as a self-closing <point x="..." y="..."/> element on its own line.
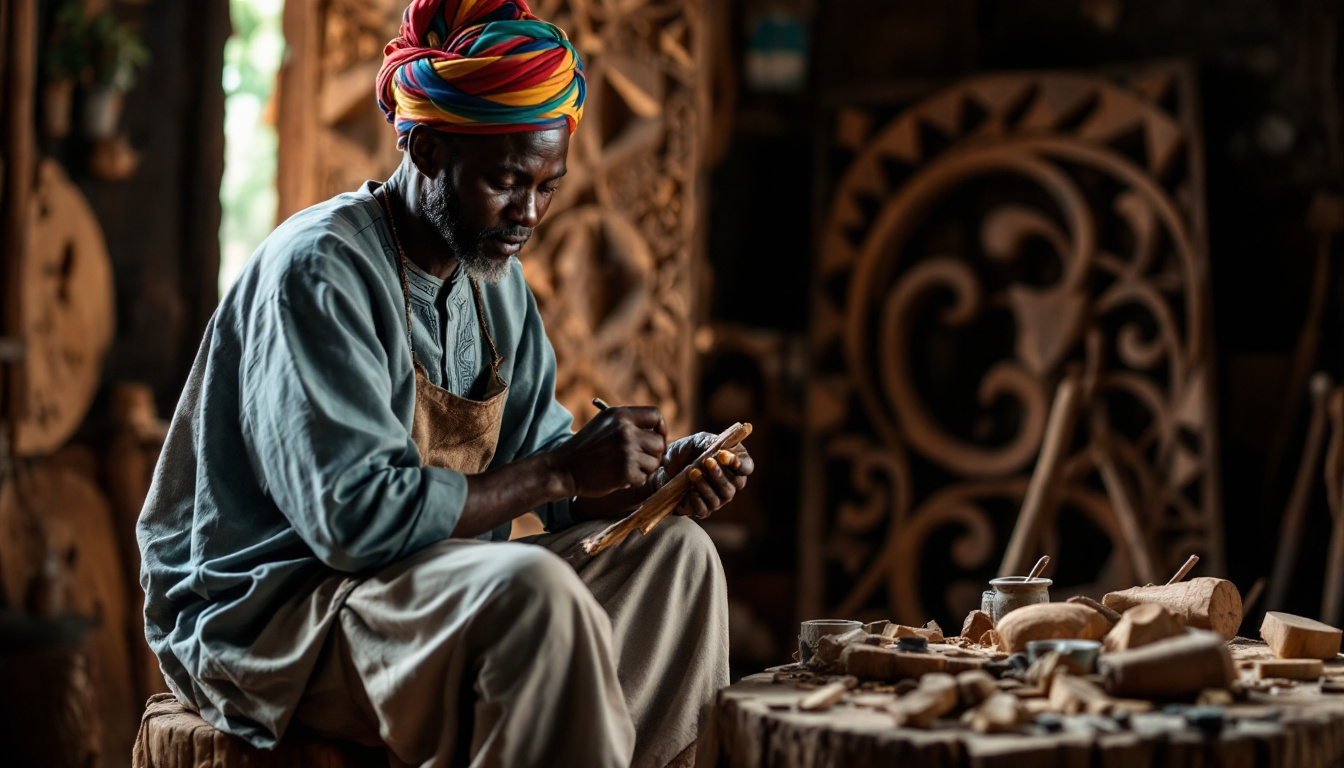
<point x="615" y="265"/>
<point x="976" y="246"/>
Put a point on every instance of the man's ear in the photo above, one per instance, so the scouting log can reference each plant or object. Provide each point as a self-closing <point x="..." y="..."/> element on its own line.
<point x="429" y="152"/>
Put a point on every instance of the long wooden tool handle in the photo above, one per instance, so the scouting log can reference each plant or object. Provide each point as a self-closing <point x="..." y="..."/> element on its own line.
<point x="1058" y="431"/>
<point x="661" y="503"/>
<point x="1290" y="534"/>
<point x="1122" y="504"/>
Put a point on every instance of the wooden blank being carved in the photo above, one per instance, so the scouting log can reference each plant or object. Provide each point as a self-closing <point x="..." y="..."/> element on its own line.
<point x="979" y="245"/>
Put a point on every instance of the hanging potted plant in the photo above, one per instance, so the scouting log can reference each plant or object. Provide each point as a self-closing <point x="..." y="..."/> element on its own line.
<point x="116" y="56"/>
<point x="64" y="63"/>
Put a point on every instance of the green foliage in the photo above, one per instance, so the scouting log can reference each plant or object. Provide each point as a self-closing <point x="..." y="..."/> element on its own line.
<point x="117" y="53"/>
<point x="99" y="50"/>
<point x="64" y="57"/>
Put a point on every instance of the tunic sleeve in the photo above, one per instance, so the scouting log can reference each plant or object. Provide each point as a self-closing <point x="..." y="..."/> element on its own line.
<point x="320" y="429"/>
<point x="548" y="423"/>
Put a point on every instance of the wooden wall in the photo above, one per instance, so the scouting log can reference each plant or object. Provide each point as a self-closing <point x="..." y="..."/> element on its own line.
<point x="107" y="285"/>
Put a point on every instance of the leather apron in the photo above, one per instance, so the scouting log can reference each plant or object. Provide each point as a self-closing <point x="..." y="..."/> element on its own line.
<point x="452" y="432"/>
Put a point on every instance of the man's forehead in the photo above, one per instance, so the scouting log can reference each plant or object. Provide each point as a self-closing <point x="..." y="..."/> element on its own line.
<point x="530" y="152"/>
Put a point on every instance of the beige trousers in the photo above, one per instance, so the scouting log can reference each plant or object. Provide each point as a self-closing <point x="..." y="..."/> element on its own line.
<point x="530" y="653"/>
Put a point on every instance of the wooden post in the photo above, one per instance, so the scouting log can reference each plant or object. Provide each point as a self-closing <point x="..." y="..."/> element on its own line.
<point x="1058" y="431"/>
<point x="296" y="97"/>
<point x="19" y="153"/>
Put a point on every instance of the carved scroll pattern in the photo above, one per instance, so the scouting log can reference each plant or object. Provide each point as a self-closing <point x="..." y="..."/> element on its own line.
<point x="978" y="245"/>
<point x="615" y="264"/>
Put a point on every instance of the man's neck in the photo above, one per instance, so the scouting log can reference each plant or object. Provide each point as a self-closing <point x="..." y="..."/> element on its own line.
<point x="420" y="241"/>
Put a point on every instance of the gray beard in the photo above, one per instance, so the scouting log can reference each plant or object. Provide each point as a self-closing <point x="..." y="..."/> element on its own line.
<point x="441" y="208"/>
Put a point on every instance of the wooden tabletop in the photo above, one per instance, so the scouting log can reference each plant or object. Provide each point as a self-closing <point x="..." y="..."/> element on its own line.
<point x="756" y="723"/>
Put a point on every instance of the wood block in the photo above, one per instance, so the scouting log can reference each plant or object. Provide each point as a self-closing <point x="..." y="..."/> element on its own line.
<point x="1000" y="713"/>
<point x="1295" y="637"/>
<point x="1141" y="625"/>
<point x="935" y="697"/>
<point x="1072" y="695"/>
<point x="1044" y="621"/>
<point x="1203" y="603"/>
<point x="1172" y="668"/>
<point x="826" y="696"/>
<point x="932" y="632"/>
<point x="977" y="623"/>
<point x="1291" y="669"/>
<point x="867" y="662"/>
<point x="974" y="687"/>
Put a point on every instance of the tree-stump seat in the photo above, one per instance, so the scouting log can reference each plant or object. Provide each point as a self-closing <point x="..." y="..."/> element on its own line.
<point x="172" y="736"/>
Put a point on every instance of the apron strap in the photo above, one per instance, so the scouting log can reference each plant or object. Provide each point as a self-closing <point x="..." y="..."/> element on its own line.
<point x="485" y="327"/>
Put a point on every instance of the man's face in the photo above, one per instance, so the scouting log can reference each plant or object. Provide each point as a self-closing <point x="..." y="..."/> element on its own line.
<point x="491" y="193"/>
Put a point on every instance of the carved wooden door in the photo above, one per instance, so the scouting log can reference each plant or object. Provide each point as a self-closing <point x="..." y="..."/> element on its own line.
<point x="615" y="266"/>
<point x="977" y="246"/>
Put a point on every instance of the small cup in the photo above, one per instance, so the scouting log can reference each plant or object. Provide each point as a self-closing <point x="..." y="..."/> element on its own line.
<point x="1013" y="592"/>
<point x="812" y="632"/>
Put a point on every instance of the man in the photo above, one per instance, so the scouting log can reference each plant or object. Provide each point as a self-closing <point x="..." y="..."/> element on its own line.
<point x="373" y="402"/>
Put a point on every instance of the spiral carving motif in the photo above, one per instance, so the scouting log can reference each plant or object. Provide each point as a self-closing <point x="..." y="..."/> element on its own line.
<point x="978" y="245"/>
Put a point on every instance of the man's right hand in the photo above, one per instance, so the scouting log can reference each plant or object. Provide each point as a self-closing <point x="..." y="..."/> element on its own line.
<point x="618" y="449"/>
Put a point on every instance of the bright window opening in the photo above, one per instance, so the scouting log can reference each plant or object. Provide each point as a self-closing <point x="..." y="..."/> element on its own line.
<point x="251" y="61"/>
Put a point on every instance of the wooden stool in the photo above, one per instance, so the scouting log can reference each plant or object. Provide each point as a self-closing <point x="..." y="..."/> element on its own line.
<point x="172" y="736"/>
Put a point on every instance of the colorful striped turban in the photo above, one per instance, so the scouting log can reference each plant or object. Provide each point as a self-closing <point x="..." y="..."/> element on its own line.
<point x="479" y="66"/>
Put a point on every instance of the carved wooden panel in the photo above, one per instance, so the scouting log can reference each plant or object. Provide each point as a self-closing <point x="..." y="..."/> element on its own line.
<point x="615" y="264"/>
<point x="977" y="246"/>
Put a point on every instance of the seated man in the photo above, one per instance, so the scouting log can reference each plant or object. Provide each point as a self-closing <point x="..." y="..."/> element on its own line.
<point x="373" y="403"/>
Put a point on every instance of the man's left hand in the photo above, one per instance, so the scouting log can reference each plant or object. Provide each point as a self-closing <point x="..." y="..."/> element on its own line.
<point x="719" y="481"/>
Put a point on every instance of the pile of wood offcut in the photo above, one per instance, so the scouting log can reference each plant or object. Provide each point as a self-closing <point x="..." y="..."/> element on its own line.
<point x="1158" y="645"/>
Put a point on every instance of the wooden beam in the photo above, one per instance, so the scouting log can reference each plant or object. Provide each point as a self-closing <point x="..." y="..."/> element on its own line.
<point x="296" y="99"/>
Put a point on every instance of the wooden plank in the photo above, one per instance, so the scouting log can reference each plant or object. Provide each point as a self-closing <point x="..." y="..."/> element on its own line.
<point x="1290" y="669"/>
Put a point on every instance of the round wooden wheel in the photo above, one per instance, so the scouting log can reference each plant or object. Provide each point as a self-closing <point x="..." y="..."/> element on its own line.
<point x="61" y="559"/>
<point x="68" y="317"/>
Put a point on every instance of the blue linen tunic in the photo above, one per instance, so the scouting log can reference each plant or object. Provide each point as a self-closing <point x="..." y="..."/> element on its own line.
<point x="289" y="473"/>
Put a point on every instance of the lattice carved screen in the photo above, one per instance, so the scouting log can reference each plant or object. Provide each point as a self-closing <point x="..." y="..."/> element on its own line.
<point x="615" y="265"/>
<point x="976" y="246"/>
